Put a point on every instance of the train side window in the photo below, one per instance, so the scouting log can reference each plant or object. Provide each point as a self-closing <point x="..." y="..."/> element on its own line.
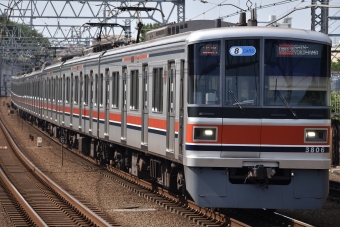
<point x="47" y="89"/>
<point x="44" y="89"/>
<point x="115" y="89"/>
<point x="86" y="90"/>
<point x="134" y="90"/>
<point x="95" y="94"/>
<point x="60" y="90"/>
<point x="76" y="89"/>
<point x="50" y="90"/>
<point x="91" y="87"/>
<point x="72" y="89"/>
<point x="67" y="96"/>
<point x="107" y="88"/>
<point x="101" y="90"/>
<point x="157" y="90"/>
<point x="81" y="88"/>
<point x="53" y="89"/>
<point x="63" y="98"/>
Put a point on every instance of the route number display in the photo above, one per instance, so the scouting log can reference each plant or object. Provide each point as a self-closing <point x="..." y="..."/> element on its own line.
<point x="242" y="51"/>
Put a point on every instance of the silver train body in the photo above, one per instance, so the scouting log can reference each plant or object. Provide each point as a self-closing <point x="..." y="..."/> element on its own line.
<point x="236" y="117"/>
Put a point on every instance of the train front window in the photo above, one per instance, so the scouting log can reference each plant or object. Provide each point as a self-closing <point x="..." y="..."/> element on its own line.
<point x="204" y="73"/>
<point x="296" y="73"/>
<point x="242" y="72"/>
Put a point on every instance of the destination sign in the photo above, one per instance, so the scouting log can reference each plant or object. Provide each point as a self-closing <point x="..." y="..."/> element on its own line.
<point x="298" y="50"/>
<point x="210" y="49"/>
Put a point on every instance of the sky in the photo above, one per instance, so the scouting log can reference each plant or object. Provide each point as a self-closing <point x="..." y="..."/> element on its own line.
<point x="205" y="9"/>
<point x="196" y="10"/>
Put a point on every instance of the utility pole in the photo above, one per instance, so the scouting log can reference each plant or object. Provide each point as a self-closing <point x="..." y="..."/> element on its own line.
<point x="319" y="16"/>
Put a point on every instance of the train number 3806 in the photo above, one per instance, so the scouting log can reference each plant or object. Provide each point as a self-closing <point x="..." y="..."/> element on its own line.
<point x="315" y="149"/>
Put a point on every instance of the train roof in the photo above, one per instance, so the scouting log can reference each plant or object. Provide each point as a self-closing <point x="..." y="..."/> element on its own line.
<point x="204" y="35"/>
<point x="256" y="31"/>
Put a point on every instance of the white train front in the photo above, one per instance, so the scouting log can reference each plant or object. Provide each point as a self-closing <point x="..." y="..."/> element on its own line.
<point x="236" y="117"/>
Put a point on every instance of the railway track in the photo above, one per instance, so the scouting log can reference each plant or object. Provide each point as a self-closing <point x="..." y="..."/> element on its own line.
<point x="31" y="198"/>
<point x="180" y="205"/>
<point x="187" y="208"/>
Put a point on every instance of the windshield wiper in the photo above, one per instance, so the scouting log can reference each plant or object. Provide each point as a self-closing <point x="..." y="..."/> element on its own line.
<point x="286" y="103"/>
<point x="235" y="99"/>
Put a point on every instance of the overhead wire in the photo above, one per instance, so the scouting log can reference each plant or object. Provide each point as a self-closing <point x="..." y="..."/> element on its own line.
<point x="216" y="5"/>
<point x="290" y="9"/>
<point x="263" y="7"/>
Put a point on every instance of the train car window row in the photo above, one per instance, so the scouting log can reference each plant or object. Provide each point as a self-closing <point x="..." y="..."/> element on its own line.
<point x="72" y="90"/>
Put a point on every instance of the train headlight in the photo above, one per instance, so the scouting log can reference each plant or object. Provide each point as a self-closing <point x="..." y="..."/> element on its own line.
<point x="208" y="132"/>
<point x="315" y="135"/>
<point x="205" y="134"/>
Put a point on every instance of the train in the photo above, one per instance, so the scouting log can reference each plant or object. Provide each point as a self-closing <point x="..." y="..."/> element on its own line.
<point x="229" y="116"/>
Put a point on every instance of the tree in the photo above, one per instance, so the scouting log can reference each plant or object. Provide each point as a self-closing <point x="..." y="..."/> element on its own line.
<point x="146" y="28"/>
<point x="335" y="102"/>
<point x="24" y="34"/>
<point x="335" y="66"/>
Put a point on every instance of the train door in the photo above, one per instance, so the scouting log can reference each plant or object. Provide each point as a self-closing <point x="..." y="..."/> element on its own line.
<point x="124" y="105"/>
<point x="107" y="103"/>
<point x="181" y="113"/>
<point x="170" y="114"/>
<point x="145" y="109"/>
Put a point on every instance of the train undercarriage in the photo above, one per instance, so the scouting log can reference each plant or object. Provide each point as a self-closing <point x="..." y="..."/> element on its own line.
<point x="138" y="163"/>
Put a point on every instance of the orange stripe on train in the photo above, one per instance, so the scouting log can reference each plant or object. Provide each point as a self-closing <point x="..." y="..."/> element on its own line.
<point x="242" y="134"/>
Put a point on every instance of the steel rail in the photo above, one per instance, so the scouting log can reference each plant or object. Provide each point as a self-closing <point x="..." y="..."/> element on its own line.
<point x="21" y="200"/>
<point x="98" y="221"/>
<point x="189" y="205"/>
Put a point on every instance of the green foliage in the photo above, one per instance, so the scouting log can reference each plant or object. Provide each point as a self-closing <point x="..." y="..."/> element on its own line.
<point x="21" y="30"/>
<point x="145" y="29"/>
<point x="335" y="66"/>
<point x="335" y="102"/>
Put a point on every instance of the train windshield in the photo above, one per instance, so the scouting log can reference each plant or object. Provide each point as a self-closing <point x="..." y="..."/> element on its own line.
<point x="296" y="73"/>
<point x="242" y="72"/>
<point x="204" y="73"/>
